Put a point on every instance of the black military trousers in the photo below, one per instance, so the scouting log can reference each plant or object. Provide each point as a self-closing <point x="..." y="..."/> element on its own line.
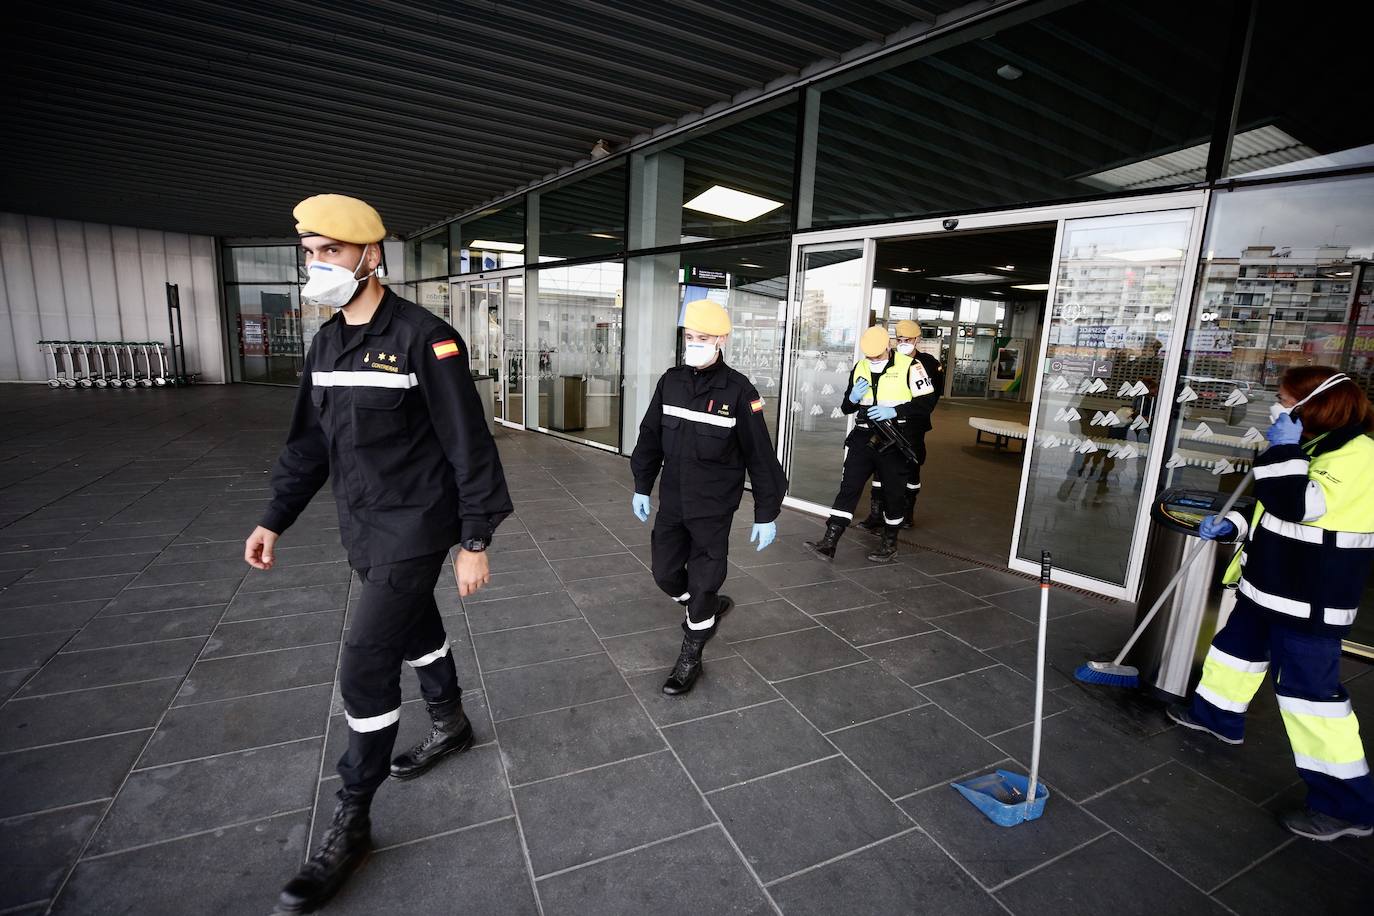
<point x="689" y="564"/>
<point x="889" y="472"/>
<point x="396" y="620"/>
<point x="913" y="472"/>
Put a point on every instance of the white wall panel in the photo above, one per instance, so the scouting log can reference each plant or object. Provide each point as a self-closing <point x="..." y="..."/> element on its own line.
<point x="70" y="280"/>
<point x="104" y="285"/>
<point x="76" y="280"/>
<point x="23" y="298"/>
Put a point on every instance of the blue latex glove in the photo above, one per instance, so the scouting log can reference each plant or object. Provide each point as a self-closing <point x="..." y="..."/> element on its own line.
<point x="882" y="413"/>
<point x="1284" y="431"/>
<point x="1214" y="526"/>
<point x="858" y="390"/>
<point x="764" y="533"/>
<point x="641" y="506"/>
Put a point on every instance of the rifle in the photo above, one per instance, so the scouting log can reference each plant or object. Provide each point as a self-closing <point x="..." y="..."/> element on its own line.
<point x="888" y="436"/>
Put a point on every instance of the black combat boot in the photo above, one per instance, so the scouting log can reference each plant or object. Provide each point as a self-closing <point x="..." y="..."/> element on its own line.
<point x="825" y="547"/>
<point x="887" y="550"/>
<point x="910" y="520"/>
<point x="450" y="733"/>
<point x="688" y="667"/>
<point x="874" y="522"/>
<point x="342" y="849"/>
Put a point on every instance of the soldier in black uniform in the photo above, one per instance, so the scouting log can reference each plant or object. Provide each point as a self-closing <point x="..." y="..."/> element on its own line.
<point x="386" y="410"/>
<point x="928" y="380"/>
<point x="703" y="428"/>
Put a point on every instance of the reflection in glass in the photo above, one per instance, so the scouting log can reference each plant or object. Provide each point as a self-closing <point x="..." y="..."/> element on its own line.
<point x="1118" y="283"/>
<point x="261" y="264"/>
<point x="433" y="297"/>
<point x="578" y="338"/>
<point x="1098" y="97"/>
<point x="433" y="255"/>
<point x="266" y="323"/>
<point x="488" y="240"/>
<point x="829" y="317"/>
<point x="513" y="321"/>
<point x="585" y="217"/>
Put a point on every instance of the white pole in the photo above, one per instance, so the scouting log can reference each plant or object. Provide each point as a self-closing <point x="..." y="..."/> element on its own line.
<point x="1039" y="678"/>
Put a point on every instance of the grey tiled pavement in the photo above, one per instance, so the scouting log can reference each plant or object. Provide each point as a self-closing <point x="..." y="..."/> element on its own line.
<point x="170" y="723"/>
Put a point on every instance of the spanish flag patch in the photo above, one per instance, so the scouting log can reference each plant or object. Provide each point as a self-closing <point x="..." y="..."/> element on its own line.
<point x="443" y="349"/>
<point x="756" y="406"/>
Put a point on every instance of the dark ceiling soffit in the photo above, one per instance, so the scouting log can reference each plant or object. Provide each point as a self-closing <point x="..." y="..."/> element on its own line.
<point x="957" y="19"/>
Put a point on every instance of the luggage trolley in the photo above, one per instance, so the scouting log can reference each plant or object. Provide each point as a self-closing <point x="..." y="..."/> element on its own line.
<point x="68" y="380"/>
<point x="103" y="379"/>
<point x="160" y="379"/>
<point x="87" y="378"/>
<point x="49" y="350"/>
<point x="131" y="379"/>
<point x="137" y="350"/>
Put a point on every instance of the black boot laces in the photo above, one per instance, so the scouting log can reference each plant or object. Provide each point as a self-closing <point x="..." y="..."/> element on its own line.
<point x="335" y="839"/>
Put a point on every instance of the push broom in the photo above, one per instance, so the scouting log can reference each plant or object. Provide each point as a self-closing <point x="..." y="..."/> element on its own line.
<point x="1116" y="674"/>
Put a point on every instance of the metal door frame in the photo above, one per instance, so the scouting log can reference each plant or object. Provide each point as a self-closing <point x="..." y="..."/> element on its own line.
<point x="465" y="282"/>
<point x="867" y="237"/>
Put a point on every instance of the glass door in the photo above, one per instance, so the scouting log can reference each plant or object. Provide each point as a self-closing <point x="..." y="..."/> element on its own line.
<point x="513" y="351"/>
<point x="1119" y="287"/>
<point x="829" y="312"/>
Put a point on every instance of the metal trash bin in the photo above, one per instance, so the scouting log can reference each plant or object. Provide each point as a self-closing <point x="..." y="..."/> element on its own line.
<point x="570" y="403"/>
<point x="486" y="391"/>
<point x="1169" y="654"/>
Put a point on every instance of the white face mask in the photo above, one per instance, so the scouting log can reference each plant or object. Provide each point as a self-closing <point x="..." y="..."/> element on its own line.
<point x="906" y="349"/>
<point x="1277" y="410"/>
<point x="877" y="365"/>
<point x="332" y="285"/>
<point x="697" y="354"/>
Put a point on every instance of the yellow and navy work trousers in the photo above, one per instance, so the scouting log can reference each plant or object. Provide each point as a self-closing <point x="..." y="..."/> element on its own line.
<point x="1321" y="724"/>
<point x="395" y="621"/>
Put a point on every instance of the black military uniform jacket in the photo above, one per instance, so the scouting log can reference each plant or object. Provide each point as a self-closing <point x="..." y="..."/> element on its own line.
<point x="703" y="428"/>
<point x="396" y="420"/>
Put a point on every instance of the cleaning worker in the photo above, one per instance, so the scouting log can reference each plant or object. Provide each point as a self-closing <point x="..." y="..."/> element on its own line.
<point x="387" y="411"/>
<point x="879" y="389"/>
<point x="703" y="429"/>
<point x="927" y="381"/>
<point x="1301" y="573"/>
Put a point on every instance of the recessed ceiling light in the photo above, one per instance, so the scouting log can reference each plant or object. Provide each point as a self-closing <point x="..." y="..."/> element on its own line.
<point x="1342" y="273"/>
<point x="1007" y="267"/>
<point x="748" y="264"/>
<point x="1033" y="287"/>
<point x="603" y="235"/>
<point x="1008" y="72"/>
<point x="1151" y="254"/>
<point x="484" y="245"/>
<point x="972" y="278"/>
<point x="909" y="270"/>
<point x="740" y="206"/>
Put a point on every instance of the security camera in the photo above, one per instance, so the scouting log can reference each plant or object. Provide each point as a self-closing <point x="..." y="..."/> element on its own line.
<point x="950" y="223"/>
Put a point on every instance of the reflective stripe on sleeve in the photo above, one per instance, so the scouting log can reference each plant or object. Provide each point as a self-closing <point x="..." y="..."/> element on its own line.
<point x="1282" y="469"/>
<point x="1353" y="540"/>
<point x="1339" y="616"/>
<point x="350" y="379"/>
<point x="698" y="416"/>
<point x="430" y="657"/>
<point x="374" y="723"/>
<point x="1290" y="530"/>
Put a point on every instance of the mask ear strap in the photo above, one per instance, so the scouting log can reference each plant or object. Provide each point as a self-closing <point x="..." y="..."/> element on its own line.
<point x="1332" y="382"/>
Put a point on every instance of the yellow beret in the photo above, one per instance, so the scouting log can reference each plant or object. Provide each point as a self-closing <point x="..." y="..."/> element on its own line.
<point x="706" y="317"/>
<point x="874" y="342"/>
<point x="908" y="328"/>
<point x="335" y="216"/>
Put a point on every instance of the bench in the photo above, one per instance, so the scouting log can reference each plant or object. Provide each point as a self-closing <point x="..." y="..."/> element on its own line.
<point x="1003" y="432"/>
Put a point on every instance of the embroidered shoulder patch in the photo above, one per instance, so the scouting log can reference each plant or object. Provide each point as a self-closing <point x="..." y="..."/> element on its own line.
<point x="443" y="349"/>
<point x="756" y="406"/>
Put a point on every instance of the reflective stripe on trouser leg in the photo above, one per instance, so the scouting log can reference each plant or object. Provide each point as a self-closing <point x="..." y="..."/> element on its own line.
<point x="1233" y="670"/>
<point x="706" y="571"/>
<point x="669" y="545"/>
<point x="395" y="618"/>
<point x="892" y="470"/>
<point x="1321" y="725"/>
<point x="860" y="463"/>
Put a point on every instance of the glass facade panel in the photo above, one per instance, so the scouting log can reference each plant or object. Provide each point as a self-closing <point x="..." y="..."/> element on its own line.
<point x="829" y="318"/>
<point x="1118" y="283"/>
<point x="749" y="280"/>
<point x="264" y="264"/>
<point x="733" y="181"/>
<point x="513" y="328"/>
<point x="1306" y="90"/>
<point x="584" y="218"/>
<point x="433" y="255"/>
<point x="265" y="320"/>
<point x="434" y="297"/>
<point x="1095" y="98"/>
<point x="579" y="313"/>
<point x="489" y="240"/>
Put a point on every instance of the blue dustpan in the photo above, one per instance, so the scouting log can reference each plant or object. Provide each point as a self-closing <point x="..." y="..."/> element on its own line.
<point x="1001" y="796"/>
<point x="1010" y="798"/>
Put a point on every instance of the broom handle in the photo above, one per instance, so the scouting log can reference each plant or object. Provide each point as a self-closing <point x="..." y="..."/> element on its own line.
<point x="1182" y="569"/>
<point x="1039" y="677"/>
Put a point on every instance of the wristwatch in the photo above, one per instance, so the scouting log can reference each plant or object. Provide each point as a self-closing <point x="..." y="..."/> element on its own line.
<point x="475" y="545"/>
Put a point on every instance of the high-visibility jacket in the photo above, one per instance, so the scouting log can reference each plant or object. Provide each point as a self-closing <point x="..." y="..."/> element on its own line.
<point x="905" y="384"/>
<point x="1309" y="546"/>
